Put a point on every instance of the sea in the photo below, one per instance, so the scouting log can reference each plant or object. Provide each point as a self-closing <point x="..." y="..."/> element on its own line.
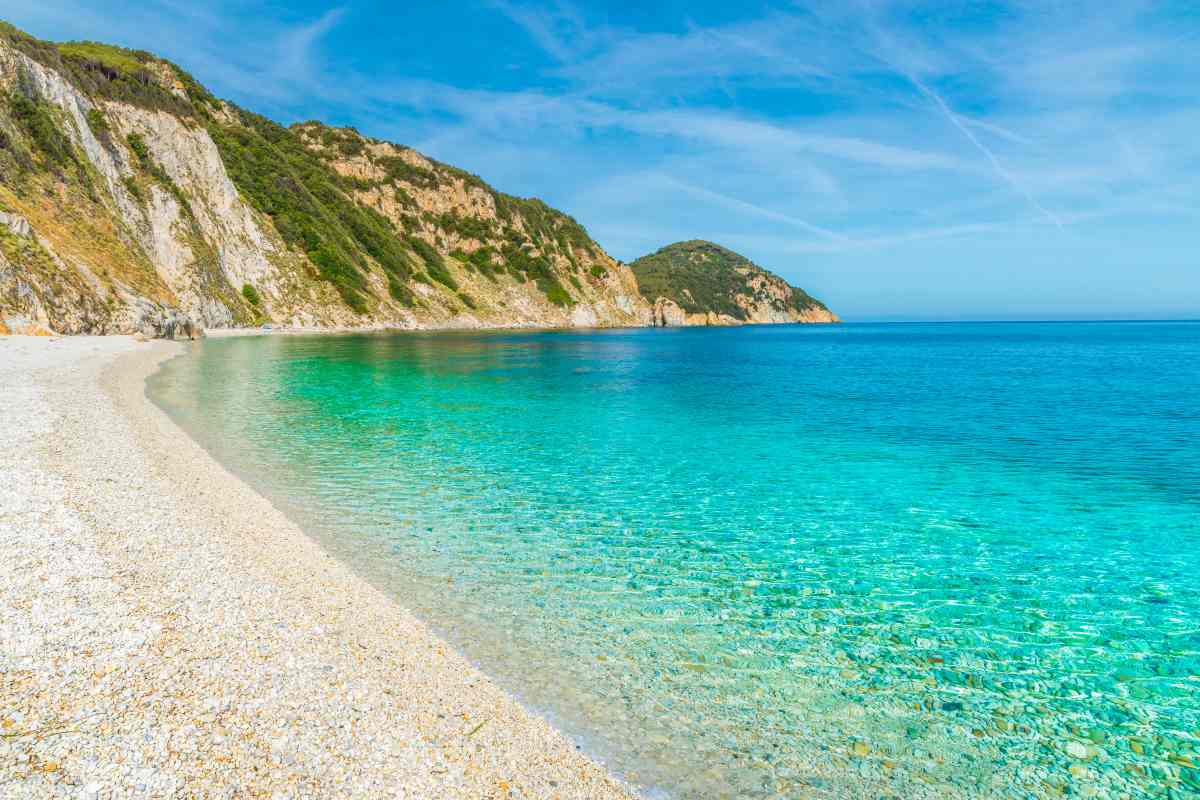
<point x="951" y="560"/>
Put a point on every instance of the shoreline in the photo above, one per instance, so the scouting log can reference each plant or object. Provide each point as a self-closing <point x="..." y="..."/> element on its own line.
<point x="227" y="333"/>
<point x="167" y="630"/>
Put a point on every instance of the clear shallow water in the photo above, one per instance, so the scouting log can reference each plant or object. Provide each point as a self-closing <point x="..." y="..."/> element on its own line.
<point x="955" y="560"/>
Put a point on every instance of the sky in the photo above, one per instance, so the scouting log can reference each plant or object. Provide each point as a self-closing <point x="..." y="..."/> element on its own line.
<point x="899" y="160"/>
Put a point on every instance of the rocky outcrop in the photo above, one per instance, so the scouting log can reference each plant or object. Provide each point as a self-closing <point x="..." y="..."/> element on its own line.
<point x="16" y="225"/>
<point x="23" y="326"/>
<point x="667" y="313"/>
<point x="701" y="283"/>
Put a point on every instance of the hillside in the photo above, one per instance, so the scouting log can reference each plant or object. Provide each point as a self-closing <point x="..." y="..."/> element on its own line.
<point x="701" y="283"/>
<point x="132" y="199"/>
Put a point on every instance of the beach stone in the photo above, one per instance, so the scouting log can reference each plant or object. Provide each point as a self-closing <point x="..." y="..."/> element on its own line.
<point x="1077" y="750"/>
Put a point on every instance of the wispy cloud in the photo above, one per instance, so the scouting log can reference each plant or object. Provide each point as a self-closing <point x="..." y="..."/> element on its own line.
<point x="745" y="207"/>
<point x="996" y="130"/>
<point x="756" y="49"/>
<point x="295" y="46"/>
<point x="1007" y="176"/>
<point x="558" y="29"/>
<point x="898" y="58"/>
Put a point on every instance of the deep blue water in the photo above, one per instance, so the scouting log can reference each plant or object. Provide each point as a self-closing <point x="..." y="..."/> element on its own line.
<point x="909" y="560"/>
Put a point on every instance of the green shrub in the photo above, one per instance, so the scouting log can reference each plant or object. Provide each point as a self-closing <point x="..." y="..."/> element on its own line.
<point x="467" y="301"/>
<point x="442" y="275"/>
<point x="97" y="122"/>
<point x="115" y="59"/>
<point x="404" y="198"/>
<point x="37" y="120"/>
<point x="400" y="292"/>
<point x="251" y="295"/>
<point x="544" y="223"/>
<point x="466" y="227"/>
<point x="802" y="299"/>
<point x="481" y="261"/>
<point x="200" y="97"/>
<point x="354" y="183"/>
<point x="435" y="266"/>
<point x="145" y="160"/>
<point x="539" y="270"/>
<point x="138" y="145"/>
<point x="423" y="249"/>
<point x="556" y="294"/>
<point x="397" y="169"/>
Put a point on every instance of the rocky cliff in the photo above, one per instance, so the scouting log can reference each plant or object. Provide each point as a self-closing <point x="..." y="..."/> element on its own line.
<point x="701" y="283"/>
<point x="132" y="199"/>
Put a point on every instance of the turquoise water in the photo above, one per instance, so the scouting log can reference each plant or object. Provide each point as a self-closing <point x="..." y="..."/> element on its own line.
<point x="952" y="560"/>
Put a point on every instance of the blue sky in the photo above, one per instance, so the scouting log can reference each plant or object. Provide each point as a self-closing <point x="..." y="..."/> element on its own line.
<point x="900" y="160"/>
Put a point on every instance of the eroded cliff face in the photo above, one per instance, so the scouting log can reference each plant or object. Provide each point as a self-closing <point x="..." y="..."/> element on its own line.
<point x="132" y="200"/>
<point x="128" y="219"/>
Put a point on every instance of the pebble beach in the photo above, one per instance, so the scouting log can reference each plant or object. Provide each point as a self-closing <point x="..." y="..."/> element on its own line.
<point x="166" y="632"/>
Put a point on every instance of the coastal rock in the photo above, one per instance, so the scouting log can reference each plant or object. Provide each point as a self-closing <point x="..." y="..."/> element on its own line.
<point x="667" y="312"/>
<point x="22" y="326"/>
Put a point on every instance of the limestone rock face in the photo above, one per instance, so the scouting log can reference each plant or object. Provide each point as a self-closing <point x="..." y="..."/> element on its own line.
<point x="23" y="326"/>
<point x="668" y="313"/>
<point x="16" y="224"/>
